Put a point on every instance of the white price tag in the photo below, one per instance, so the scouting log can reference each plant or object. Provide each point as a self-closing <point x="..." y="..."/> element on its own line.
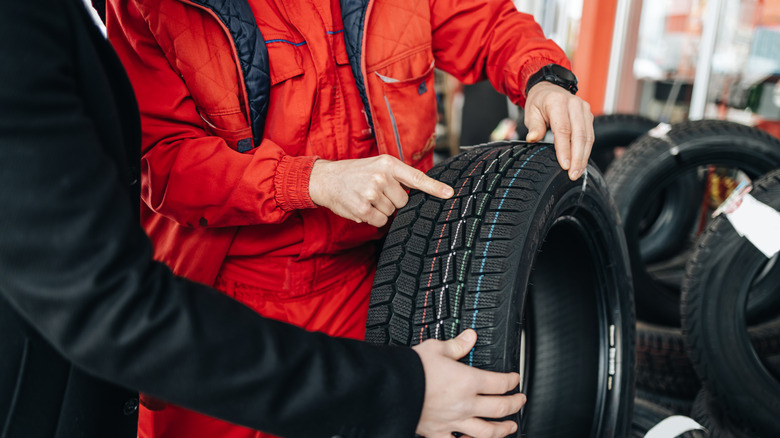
<point x="758" y="223"/>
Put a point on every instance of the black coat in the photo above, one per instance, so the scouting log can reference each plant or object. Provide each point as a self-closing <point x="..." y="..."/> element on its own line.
<point x="82" y="303"/>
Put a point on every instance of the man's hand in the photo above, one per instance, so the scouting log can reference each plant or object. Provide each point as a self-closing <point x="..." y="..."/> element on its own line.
<point x="459" y="397"/>
<point x="369" y="189"/>
<point x="571" y="122"/>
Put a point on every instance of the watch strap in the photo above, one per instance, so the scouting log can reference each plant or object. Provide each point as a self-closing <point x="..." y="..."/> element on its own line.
<point x="555" y="74"/>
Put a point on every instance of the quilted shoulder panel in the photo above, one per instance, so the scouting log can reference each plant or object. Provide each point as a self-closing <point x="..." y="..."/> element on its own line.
<point x="396" y="28"/>
<point x="237" y="17"/>
<point x="212" y="55"/>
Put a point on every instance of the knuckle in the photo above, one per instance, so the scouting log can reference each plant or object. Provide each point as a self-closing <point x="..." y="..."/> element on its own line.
<point x="564" y="129"/>
<point x="510" y="382"/>
<point x="580" y="137"/>
<point x="585" y="105"/>
<point x="515" y="404"/>
<point x="486" y="430"/>
<point x="380" y="179"/>
<point x="363" y="209"/>
<point x="403" y="199"/>
<point x="385" y="160"/>
<point x="419" y="178"/>
<point x="370" y="195"/>
<point x="505" y="409"/>
<point x="561" y="98"/>
<point x="379" y="221"/>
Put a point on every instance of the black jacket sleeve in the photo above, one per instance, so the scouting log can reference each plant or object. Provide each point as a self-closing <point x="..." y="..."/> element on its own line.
<point x="75" y="264"/>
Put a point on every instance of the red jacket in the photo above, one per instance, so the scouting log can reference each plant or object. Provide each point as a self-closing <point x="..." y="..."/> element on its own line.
<point x="209" y="167"/>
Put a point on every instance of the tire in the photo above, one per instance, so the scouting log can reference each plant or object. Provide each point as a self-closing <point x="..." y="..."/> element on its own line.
<point x="772" y="363"/>
<point x="652" y="165"/>
<point x="612" y="131"/>
<point x="677" y="405"/>
<point x="728" y="358"/>
<point x="491" y="259"/>
<point x="765" y="339"/>
<point x="648" y="414"/>
<point x="667" y="223"/>
<point x="662" y="362"/>
<point x="708" y="412"/>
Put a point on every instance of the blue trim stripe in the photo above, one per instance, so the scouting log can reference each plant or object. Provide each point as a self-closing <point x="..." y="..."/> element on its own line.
<point x="487" y="245"/>
<point x="285" y="41"/>
<point x="334" y="33"/>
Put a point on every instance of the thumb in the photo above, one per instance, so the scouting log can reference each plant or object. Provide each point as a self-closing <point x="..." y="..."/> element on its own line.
<point x="461" y="345"/>
<point x="536" y="125"/>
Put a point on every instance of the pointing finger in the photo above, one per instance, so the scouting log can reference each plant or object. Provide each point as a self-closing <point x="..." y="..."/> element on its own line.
<point x="415" y="179"/>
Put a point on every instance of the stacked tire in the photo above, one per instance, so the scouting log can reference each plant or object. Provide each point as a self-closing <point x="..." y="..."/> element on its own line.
<point x="537" y="265"/>
<point x="695" y="360"/>
<point x="730" y="308"/>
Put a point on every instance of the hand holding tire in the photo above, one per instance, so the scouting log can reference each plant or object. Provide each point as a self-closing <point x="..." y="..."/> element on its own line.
<point x="459" y="397"/>
<point x="369" y="189"/>
<point x="570" y="120"/>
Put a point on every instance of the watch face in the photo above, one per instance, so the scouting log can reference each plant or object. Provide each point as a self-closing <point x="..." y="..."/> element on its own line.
<point x="555" y="74"/>
<point x="563" y="73"/>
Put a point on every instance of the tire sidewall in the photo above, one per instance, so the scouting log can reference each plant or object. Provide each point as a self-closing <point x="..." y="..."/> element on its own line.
<point x="595" y="207"/>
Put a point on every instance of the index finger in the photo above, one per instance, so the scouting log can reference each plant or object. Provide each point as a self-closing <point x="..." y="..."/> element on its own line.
<point x="560" y="125"/>
<point x="582" y="135"/>
<point x="415" y="179"/>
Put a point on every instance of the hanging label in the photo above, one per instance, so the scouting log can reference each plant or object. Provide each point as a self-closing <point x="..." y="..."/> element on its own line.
<point x="757" y="222"/>
<point x="673" y="426"/>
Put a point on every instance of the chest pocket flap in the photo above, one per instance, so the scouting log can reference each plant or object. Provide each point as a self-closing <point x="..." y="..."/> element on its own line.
<point x="284" y="57"/>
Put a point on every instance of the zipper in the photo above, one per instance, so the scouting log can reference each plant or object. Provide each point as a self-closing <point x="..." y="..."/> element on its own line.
<point x="363" y="70"/>
<point x="395" y="130"/>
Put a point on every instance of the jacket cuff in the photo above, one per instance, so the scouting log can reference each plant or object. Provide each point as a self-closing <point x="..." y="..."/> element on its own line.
<point x="417" y="385"/>
<point x="529" y="69"/>
<point x="291" y="183"/>
<point x="400" y="396"/>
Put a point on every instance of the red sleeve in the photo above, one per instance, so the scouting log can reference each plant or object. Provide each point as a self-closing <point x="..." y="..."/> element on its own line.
<point x="187" y="174"/>
<point x="475" y="39"/>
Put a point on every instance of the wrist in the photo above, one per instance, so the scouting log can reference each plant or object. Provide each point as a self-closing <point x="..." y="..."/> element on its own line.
<point x="315" y="183"/>
<point x="554" y="74"/>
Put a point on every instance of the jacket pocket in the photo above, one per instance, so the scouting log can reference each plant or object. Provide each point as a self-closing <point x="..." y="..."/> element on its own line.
<point x="284" y="59"/>
<point x="229" y="125"/>
<point x="293" y="94"/>
<point x="406" y="110"/>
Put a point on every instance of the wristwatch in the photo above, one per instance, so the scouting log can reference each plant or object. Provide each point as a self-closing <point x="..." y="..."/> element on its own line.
<point x="556" y="74"/>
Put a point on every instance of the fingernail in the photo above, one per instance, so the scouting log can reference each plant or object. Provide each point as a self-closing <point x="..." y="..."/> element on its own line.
<point x="448" y="192"/>
<point x="566" y="164"/>
<point x="574" y="174"/>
